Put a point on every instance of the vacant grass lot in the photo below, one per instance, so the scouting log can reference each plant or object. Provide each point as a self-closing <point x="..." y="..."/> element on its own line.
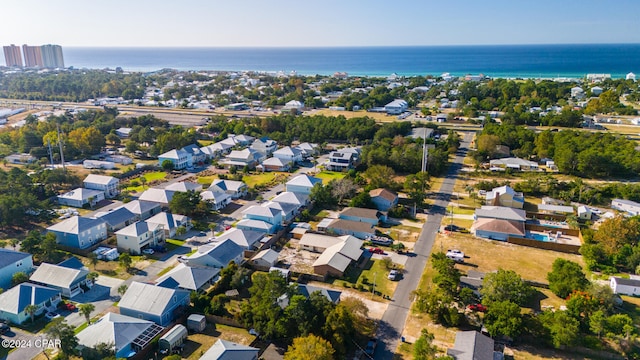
<point x="374" y="271"/>
<point x="149" y="178"/>
<point x="327" y="176"/>
<point x="259" y="179"/>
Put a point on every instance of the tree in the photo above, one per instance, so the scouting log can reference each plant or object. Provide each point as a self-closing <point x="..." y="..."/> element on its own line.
<point x="93" y="259"/>
<point x="58" y="329"/>
<point x="86" y="310"/>
<point x="503" y="318"/>
<point x="122" y="289"/>
<point x="381" y="176"/>
<point x="19" y="277"/>
<point x="416" y="185"/>
<point x="504" y="285"/>
<point x="309" y="347"/>
<point x="167" y="165"/>
<point x="343" y="188"/>
<point x="423" y="348"/>
<point x="125" y="261"/>
<point x="49" y="247"/>
<point x="565" y="277"/>
<point x="321" y="195"/>
<point x="188" y="203"/>
<point x="112" y="138"/>
<point x="181" y="230"/>
<point x="339" y="329"/>
<point x="31" y="310"/>
<point x="563" y="328"/>
<point x="598" y="322"/>
<point x="362" y="200"/>
<point x="92" y="276"/>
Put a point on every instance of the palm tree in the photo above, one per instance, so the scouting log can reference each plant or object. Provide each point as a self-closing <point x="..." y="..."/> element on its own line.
<point x="86" y="310"/>
<point x="31" y="310"/>
<point x="93" y="259"/>
<point x="122" y="289"/>
<point x="92" y="276"/>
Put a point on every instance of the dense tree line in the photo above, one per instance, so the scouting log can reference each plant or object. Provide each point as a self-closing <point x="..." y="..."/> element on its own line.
<point x="21" y="201"/>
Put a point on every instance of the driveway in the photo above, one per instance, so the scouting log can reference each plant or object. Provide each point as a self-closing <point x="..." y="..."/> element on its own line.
<point x="392" y="324"/>
<point x="28" y="345"/>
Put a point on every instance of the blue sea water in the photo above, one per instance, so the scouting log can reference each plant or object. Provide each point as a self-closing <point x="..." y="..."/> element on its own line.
<point x="527" y="61"/>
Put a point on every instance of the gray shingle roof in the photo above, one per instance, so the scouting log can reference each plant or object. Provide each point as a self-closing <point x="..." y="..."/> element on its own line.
<point x="227" y="350"/>
<point x="116" y="216"/>
<point x="148" y="299"/>
<point x="189" y="277"/>
<point x="472" y="345"/>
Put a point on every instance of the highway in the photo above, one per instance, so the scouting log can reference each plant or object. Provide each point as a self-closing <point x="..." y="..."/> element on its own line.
<point x="393" y="321"/>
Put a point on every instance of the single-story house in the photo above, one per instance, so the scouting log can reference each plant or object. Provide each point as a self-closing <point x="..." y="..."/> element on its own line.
<point x="166" y="306"/>
<point x="11" y="262"/>
<point x="135" y="237"/>
<point x="117" y="219"/>
<point x="306" y="291"/>
<point x="13" y="302"/>
<point x="361" y="230"/>
<point x="160" y="196"/>
<point x="472" y="345"/>
<point x="584" y="212"/>
<point x="79" y="232"/>
<point x="191" y="278"/>
<point x="302" y="184"/>
<point x="144" y="209"/>
<point x="265" y="259"/>
<point x="630" y="207"/>
<point x="248" y="239"/>
<point x="170" y="222"/>
<point x="235" y="189"/>
<point x="227" y="350"/>
<point x="473" y="280"/>
<point x="107" y="184"/>
<point x="384" y="199"/>
<point x="500" y="212"/>
<point x="336" y="258"/>
<point x="126" y="334"/>
<point x="70" y="282"/>
<point x="275" y="164"/>
<point x="514" y="163"/>
<point x="505" y="196"/>
<point x="217" y="255"/>
<point x="555" y="209"/>
<point x="371" y="216"/>
<point x="20" y="159"/>
<point x="81" y="197"/>
<point x="624" y="286"/>
<point x="498" y="229"/>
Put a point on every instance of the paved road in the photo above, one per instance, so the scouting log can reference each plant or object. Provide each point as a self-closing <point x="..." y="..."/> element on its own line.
<point x="392" y="323"/>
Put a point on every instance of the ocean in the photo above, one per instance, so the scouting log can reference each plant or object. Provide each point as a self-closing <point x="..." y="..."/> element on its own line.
<point x="511" y="61"/>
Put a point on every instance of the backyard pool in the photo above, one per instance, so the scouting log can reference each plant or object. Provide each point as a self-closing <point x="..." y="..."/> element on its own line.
<point x="539" y="237"/>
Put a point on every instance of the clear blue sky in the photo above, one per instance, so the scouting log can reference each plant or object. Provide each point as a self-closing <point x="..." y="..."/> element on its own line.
<point x="317" y="23"/>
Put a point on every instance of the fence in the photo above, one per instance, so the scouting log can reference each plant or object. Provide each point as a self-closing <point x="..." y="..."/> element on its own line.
<point x="544" y="216"/>
<point x="536" y="227"/>
<point x="224" y="320"/>
<point x="565" y="248"/>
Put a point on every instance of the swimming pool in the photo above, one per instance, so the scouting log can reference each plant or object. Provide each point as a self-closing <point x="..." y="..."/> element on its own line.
<point x="539" y="237"/>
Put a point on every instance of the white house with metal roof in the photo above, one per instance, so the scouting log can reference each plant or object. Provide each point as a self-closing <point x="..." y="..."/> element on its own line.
<point x="235" y="189"/>
<point x="137" y="236"/>
<point x="297" y="199"/>
<point x="160" y="196"/>
<point x="248" y="239"/>
<point x="264" y="146"/>
<point x="265" y="259"/>
<point x="184" y="186"/>
<point x="80" y="197"/>
<point x="191" y="278"/>
<point x="288" y="154"/>
<point x="170" y="222"/>
<point x="217" y="255"/>
<point x="227" y="350"/>
<point x="217" y="200"/>
<point x="155" y="303"/>
<point x="68" y="281"/>
<point x="13" y="302"/>
<point x="79" y="232"/>
<point x="127" y="335"/>
<point x="179" y="158"/>
<point x="630" y="207"/>
<point x="108" y="184"/>
<point x="302" y="184"/>
<point x="396" y="107"/>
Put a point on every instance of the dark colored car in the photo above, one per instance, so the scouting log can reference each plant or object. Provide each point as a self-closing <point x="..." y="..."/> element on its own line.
<point x="451" y="228"/>
<point x="371" y="346"/>
<point x="69" y="306"/>
<point x="376" y="251"/>
<point x="160" y="249"/>
<point x="4" y="328"/>
<point x="477" y="307"/>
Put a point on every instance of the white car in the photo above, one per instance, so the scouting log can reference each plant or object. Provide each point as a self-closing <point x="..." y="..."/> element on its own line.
<point x="393" y="275"/>
<point x="148" y="251"/>
<point x="52" y="315"/>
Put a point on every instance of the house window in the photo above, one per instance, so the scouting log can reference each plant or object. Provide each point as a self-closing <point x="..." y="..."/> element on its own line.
<point x="175" y="298"/>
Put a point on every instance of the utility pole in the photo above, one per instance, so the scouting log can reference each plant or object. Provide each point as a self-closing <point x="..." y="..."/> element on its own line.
<point x="373" y="289"/>
<point x="64" y="169"/>
<point x="50" y="152"/>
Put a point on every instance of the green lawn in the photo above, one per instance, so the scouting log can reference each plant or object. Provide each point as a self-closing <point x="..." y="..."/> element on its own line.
<point x="205" y="142"/>
<point x="150" y="177"/>
<point x="327" y="176"/>
<point x="206" y="180"/>
<point x="373" y="272"/>
<point x="258" y="179"/>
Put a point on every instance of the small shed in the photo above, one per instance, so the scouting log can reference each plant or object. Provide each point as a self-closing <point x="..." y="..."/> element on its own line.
<point x="196" y="322"/>
<point x="173" y="338"/>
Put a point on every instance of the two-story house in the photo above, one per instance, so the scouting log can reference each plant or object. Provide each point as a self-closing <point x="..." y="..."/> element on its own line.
<point x="235" y="189"/>
<point x="217" y="255"/>
<point x="137" y="236"/>
<point x="179" y="158"/>
<point x="11" y="262"/>
<point x="171" y="222"/>
<point x="79" y="232"/>
<point x="14" y="302"/>
<point x="69" y="281"/>
<point x="108" y="184"/>
<point x="259" y="218"/>
<point x="302" y="184"/>
<point x="289" y="154"/>
<point x="241" y="158"/>
<point x="264" y="146"/>
<point x="81" y="197"/>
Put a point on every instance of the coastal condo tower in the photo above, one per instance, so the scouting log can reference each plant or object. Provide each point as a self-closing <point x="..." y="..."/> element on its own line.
<point x="12" y="55"/>
<point x="45" y="56"/>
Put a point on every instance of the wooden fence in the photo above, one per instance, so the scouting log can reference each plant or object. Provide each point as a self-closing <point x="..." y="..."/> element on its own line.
<point x="565" y="248"/>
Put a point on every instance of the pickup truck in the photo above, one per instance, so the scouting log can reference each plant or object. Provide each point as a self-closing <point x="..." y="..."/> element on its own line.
<point x="371" y="346"/>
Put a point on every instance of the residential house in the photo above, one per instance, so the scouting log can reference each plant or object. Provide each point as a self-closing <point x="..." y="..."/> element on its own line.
<point x="217" y="255"/>
<point x="341" y="161"/>
<point x="257" y="225"/>
<point x="288" y="154"/>
<point x="154" y="303"/>
<point x="371" y="216"/>
<point x="384" y="199"/>
<point x="11" y="262"/>
<point x="143" y="209"/>
<point x="577" y="92"/>
<point x="270" y="216"/>
<point x="498" y="229"/>
<point x="227" y="350"/>
<point x="555" y="209"/>
<point x="630" y="207"/>
<point x="184" y="186"/>
<point x="81" y="197"/>
<point x="505" y="196"/>
<point x="235" y="189"/>
<point x="336" y="258"/>
<point x="630" y="287"/>
<point x="264" y="146"/>
<point x="123" y="132"/>
<point x="107" y="184"/>
<point x="275" y="164"/>
<point x="396" y="107"/>
<point x="179" y="158"/>
<point x="217" y="200"/>
<point x="243" y="140"/>
<point x="195" y="157"/>
<point x="501" y="212"/>
<point x="20" y="159"/>
<point x="13" y="302"/>
<point x="170" y="223"/>
<point x="79" y="232"/>
<point x="302" y="184"/>
<point x="265" y="259"/>
<point x="308" y="149"/>
<point x="584" y="212"/>
<point x="514" y="164"/>
<point x="289" y="211"/>
<point x="472" y="345"/>
<point x="118" y="218"/>
<point x="241" y="158"/>
<point x="216" y="150"/>
<point x="127" y="335"/>
<point x="473" y="280"/>
<point x="297" y="199"/>
<point x="359" y="229"/>
<point x="306" y="291"/>
<point x="160" y="196"/>
<point x="137" y="236"/>
<point x="190" y="278"/>
<point x="247" y="239"/>
<point x="294" y="105"/>
<point x="69" y="281"/>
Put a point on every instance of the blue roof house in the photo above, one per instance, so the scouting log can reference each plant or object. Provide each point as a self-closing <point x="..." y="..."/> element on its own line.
<point x="12" y="262"/>
<point x="14" y="301"/>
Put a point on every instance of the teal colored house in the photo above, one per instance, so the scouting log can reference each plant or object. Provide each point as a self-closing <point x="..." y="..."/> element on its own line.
<point x="14" y="301"/>
<point x="11" y="262"/>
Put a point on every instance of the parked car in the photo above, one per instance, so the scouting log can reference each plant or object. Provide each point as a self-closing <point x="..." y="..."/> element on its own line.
<point x="451" y="227"/>
<point x="4" y="328"/>
<point x="376" y="251"/>
<point x="477" y="307"/>
<point x="148" y="251"/>
<point x="69" y="306"/>
<point x="371" y="346"/>
<point x="182" y="259"/>
<point x="51" y="315"/>
<point x="393" y="275"/>
<point x="160" y="249"/>
<point x="455" y="255"/>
